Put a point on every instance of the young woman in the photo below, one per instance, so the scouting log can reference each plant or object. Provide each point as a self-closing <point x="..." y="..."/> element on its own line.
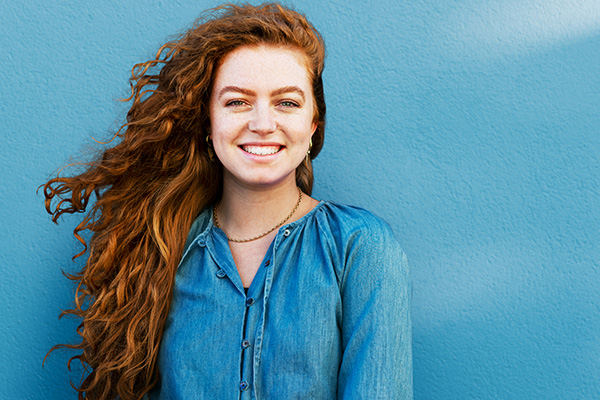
<point x="273" y="295"/>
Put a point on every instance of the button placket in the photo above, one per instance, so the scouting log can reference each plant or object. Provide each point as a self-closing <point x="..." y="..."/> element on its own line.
<point x="257" y="343"/>
<point x="254" y="312"/>
<point x="246" y="367"/>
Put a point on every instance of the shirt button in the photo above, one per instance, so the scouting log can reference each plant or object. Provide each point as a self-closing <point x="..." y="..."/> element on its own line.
<point x="201" y="243"/>
<point x="286" y="233"/>
<point x="221" y="273"/>
<point x="249" y="301"/>
<point x="245" y="343"/>
<point x="268" y="263"/>
<point x="244" y="385"/>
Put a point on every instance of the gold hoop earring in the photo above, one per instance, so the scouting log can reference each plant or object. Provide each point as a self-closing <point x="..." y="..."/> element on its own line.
<point x="209" y="148"/>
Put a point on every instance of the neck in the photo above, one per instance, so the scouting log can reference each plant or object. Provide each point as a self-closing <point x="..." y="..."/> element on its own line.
<point x="248" y="211"/>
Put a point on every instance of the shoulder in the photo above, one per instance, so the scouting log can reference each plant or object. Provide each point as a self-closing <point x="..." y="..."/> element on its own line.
<point x="199" y="227"/>
<point x="350" y="223"/>
<point x="365" y="244"/>
<point x="356" y="232"/>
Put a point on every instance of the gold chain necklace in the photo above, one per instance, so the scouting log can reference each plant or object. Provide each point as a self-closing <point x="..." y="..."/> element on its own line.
<point x="261" y="235"/>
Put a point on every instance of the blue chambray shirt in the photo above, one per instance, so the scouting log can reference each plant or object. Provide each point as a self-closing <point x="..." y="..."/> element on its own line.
<point x="327" y="315"/>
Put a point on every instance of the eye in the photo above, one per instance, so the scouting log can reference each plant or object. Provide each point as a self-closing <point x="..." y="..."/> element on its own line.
<point x="288" y="103"/>
<point x="235" y="103"/>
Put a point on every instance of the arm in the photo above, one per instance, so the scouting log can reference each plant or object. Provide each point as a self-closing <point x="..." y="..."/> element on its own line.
<point x="376" y="327"/>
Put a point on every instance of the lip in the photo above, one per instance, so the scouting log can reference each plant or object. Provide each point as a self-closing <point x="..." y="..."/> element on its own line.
<point x="261" y="144"/>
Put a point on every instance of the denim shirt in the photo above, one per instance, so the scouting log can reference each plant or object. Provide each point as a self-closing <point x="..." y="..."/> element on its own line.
<point x="327" y="315"/>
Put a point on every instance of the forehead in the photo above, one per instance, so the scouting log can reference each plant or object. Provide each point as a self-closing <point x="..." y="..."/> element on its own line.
<point x="263" y="66"/>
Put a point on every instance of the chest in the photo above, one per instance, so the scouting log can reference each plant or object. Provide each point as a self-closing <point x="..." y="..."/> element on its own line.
<point x="249" y="255"/>
<point x="218" y="338"/>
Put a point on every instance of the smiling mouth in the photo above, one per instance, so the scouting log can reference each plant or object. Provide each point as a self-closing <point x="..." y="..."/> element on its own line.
<point x="262" y="150"/>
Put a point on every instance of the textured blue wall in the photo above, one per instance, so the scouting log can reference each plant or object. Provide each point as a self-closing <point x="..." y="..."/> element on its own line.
<point x="471" y="126"/>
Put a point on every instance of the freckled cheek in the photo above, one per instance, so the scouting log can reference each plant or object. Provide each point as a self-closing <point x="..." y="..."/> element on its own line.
<point x="225" y="129"/>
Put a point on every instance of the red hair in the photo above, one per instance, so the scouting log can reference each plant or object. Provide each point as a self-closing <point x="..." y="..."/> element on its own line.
<point x="152" y="183"/>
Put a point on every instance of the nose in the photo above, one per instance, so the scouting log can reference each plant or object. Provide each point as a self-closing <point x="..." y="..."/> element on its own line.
<point x="262" y="120"/>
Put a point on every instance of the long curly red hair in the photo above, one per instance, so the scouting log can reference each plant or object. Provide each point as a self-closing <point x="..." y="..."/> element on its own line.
<point x="145" y="190"/>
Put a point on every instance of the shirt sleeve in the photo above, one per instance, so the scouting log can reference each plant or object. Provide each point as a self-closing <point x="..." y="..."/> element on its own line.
<point x="376" y="325"/>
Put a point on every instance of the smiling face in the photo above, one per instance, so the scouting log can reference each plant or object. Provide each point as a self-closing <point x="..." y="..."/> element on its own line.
<point x="262" y="115"/>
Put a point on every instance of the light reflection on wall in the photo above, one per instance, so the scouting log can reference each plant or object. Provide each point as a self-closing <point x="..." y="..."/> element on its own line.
<point x="518" y="26"/>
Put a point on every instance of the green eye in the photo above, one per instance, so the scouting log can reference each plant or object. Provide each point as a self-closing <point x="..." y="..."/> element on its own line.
<point x="288" y="103"/>
<point x="235" y="103"/>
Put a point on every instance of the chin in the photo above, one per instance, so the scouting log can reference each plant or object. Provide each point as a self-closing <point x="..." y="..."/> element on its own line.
<point x="266" y="181"/>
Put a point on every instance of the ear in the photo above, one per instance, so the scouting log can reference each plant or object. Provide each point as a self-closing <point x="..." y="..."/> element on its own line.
<point x="313" y="128"/>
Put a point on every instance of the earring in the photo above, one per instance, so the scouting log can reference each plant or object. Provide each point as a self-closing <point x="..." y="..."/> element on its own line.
<point x="309" y="149"/>
<point x="209" y="148"/>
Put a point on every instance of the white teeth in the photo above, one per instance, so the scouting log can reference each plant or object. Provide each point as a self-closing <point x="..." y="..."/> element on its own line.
<point x="261" y="150"/>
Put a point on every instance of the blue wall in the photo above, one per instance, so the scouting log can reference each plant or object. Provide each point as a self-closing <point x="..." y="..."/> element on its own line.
<point x="471" y="126"/>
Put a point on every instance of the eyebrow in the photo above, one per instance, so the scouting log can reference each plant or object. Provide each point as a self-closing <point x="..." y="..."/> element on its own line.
<point x="276" y="92"/>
